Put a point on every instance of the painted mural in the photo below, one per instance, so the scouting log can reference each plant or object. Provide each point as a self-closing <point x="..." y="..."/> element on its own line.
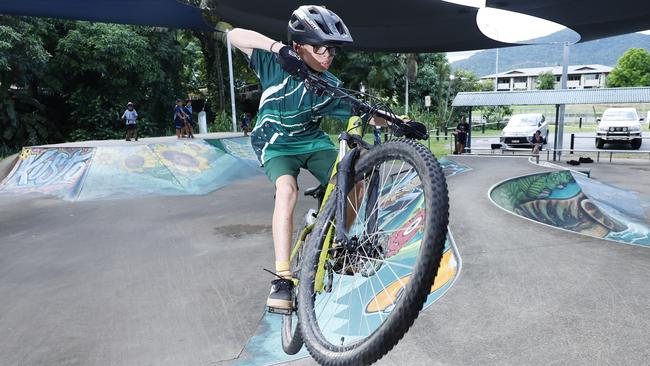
<point x="128" y="171"/>
<point x="451" y="168"/>
<point x="177" y="168"/>
<point x="574" y="202"/>
<point x="56" y="171"/>
<point x="239" y="147"/>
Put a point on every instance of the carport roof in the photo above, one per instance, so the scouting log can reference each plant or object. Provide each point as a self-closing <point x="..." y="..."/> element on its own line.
<point x="562" y="96"/>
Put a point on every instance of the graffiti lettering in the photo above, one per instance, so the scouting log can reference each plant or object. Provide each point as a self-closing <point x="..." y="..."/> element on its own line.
<point x="398" y="239"/>
<point x="51" y="167"/>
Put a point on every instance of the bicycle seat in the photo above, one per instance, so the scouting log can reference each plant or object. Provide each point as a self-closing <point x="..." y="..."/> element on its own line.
<point x="316" y="192"/>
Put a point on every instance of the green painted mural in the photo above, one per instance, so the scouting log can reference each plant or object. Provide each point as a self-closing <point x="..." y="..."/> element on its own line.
<point x="574" y="202"/>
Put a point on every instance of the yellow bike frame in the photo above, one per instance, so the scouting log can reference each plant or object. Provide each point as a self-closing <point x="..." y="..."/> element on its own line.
<point x="353" y="128"/>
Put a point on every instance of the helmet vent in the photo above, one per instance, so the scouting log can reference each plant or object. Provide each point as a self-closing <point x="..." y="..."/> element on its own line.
<point x="324" y="27"/>
<point x="339" y="28"/>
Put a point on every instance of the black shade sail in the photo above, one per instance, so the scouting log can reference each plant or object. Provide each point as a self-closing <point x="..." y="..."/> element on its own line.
<point x="155" y="13"/>
<point x="394" y="26"/>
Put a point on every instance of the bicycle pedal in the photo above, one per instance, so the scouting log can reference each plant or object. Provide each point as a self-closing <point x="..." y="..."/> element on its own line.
<point x="279" y="311"/>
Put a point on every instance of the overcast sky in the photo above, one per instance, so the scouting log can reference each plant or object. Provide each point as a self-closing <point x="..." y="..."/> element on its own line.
<point x="509" y="27"/>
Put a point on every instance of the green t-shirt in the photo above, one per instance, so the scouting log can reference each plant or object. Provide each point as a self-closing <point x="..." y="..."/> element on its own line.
<point x="289" y="116"/>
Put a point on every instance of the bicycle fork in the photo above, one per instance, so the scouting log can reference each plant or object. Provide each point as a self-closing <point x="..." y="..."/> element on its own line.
<point x="344" y="186"/>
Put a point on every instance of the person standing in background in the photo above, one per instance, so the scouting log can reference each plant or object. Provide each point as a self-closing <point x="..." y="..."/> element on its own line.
<point x="179" y="117"/>
<point x="189" y="127"/>
<point x="461" y="135"/>
<point x="130" y="116"/>
<point x="245" y="123"/>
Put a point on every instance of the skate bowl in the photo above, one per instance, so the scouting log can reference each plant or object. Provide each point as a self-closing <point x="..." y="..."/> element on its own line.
<point x="570" y="201"/>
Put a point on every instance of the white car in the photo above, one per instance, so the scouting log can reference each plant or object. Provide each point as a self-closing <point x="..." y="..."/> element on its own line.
<point x="619" y="125"/>
<point x="521" y="127"/>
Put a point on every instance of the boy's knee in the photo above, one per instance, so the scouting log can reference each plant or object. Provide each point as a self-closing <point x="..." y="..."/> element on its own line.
<point x="286" y="189"/>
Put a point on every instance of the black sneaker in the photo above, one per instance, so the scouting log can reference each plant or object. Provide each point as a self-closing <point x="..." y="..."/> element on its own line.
<point x="280" y="298"/>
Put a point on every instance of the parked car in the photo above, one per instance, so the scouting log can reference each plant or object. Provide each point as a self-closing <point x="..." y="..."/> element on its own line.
<point x="521" y="128"/>
<point x="619" y="125"/>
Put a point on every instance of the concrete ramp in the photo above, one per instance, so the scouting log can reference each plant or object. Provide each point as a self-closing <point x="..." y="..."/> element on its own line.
<point x="58" y="171"/>
<point x="571" y="201"/>
<point x="91" y="173"/>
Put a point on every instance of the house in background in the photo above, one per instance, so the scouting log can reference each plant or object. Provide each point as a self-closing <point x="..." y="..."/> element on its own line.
<point x="579" y="77"/>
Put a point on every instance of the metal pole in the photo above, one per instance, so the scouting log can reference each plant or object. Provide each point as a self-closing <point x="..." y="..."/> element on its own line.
<point x="232" y="86"/>
<point x="573" y="137"/>
<point x="557" y="113"/>
<point x="406" y="97"/>
<point x="565" y="68"/>
<point x="469" y="133"/>
<point x="429" y="129"/>
<point x="496" y="74"/>
<point x="580" y="123"/>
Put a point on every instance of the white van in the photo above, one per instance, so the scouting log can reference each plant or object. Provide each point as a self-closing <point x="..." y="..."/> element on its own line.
<point x="619" y="125"/>
<point x="521" y="127"/>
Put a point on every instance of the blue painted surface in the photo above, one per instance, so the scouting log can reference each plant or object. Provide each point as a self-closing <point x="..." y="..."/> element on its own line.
<point x="178" y="168"/>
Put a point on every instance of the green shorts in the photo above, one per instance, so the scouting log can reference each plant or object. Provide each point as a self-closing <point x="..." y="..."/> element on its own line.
<point x="318" y="163"/>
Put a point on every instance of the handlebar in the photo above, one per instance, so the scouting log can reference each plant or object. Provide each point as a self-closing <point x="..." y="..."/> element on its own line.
<point x="316" y="84"/>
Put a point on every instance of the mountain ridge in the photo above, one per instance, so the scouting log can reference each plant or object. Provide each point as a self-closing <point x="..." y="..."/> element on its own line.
<point x="605" y="51"/>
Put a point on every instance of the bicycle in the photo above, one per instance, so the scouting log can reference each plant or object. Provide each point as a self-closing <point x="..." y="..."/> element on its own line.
<point x="362" y="271"/>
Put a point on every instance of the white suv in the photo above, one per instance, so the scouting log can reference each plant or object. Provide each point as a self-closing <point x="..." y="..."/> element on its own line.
<point x="522" y="127"/>
<point x="619" y="125"/>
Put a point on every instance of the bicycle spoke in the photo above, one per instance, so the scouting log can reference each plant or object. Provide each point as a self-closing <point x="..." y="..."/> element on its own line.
<point x="390" y="263"/>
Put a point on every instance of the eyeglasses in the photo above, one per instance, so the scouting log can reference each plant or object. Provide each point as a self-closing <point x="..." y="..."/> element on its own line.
<point x="320" y="50"/>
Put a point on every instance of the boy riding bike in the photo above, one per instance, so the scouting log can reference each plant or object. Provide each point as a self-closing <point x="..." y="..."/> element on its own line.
<point x="287" y="134"/>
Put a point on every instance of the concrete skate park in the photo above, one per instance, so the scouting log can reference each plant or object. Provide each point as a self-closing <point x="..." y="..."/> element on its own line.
<point x="152" y="252"/>
<point x="117" y="253"/>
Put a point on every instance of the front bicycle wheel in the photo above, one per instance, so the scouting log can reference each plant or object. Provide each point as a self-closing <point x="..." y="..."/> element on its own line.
<point x="358" y="303"/>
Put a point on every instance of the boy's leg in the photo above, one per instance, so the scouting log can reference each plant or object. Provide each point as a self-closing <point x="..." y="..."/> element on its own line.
<point x="178" y="133"/>
<point x="286" y="195"/>
<point x="135" y="132"/>
<point x="283" y="171"/>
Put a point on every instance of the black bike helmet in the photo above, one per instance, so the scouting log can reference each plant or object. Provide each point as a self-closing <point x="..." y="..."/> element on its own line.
<point x="315" y="25"/>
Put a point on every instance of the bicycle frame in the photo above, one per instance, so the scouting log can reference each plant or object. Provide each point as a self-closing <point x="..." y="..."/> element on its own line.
<point x="354" y="129"/>
<point x="353" y="132"/>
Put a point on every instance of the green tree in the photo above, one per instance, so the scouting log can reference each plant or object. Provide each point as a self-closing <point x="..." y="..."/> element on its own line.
<point x="545" y="80"/>
<point x="99" y="67"/>
<point x="632" y="69"/>
<point x="23" y="58"/>
<point x="376" y="71"/>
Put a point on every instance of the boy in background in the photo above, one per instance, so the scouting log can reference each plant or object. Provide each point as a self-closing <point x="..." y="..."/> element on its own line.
<point x="179" y="117"/>
<point x="130" y="116"/>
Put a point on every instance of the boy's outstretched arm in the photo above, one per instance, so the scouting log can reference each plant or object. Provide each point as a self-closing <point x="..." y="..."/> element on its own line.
<point x="247" y="40"/>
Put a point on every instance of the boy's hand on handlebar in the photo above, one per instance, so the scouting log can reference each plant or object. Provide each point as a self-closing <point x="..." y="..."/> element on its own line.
<point x="378" y="121"/>
<point x="290" y="61"/>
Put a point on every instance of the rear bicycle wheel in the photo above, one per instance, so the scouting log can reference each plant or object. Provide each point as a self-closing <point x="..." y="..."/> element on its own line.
<point x="373" y="292"/>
